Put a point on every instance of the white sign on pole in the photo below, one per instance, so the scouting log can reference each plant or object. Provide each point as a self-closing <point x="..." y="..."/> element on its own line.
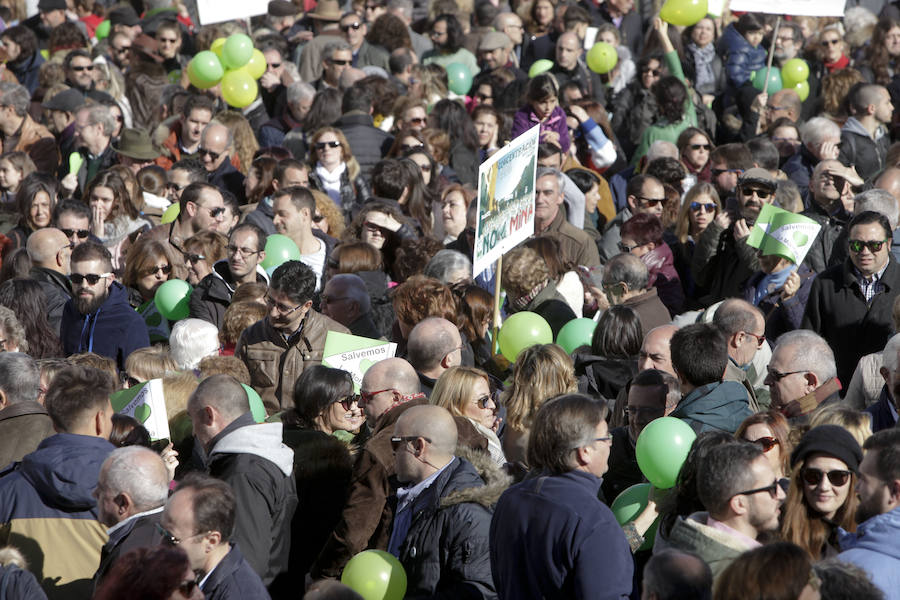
<point x="216" y="11"/>
<point x="505" y="199"/>
<point x="809" y="8"/>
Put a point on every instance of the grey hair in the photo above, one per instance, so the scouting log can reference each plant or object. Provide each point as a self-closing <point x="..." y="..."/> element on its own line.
<point x="99" y="114"/>
<point x="810" y="352"/>
<point x="335" y="46"/>
<point x="20" y="377"/>
<point x="446" y="265"/>
<point x="880" y="201"/>
<point x="404" y="6"/>
<point x="890" y="352"/>
<point x="16" y="96"/>
<point x="814" y="131"/>
<point x="662" y="149"/>
<point x="626" y="268"/>
<point x="299" y="90"/>
<point x="551" y="172"/>
<point x="192" y="340"/>
<point x="138" y="472"/>
<point x="13" y="328"/>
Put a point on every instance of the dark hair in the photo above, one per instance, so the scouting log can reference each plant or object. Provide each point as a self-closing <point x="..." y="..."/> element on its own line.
<point x="749" y="22"/>
<point x="451" y="117"/>
<point x="667" y="576"/>
<point x="542" y="87"/>
<point x="548" y="249"/>
<point x="684" y="138"/>
<point x="643" y="228"/>
<point x="23" y="37"/>
<point x="352" y="257"/>
<point x="357" y="97"/>
<point x="127" y="431"/>
<point x="887" y="444"/>
<point x="454" y="31"/>
<point x="75" y="391"/>
<point x="76" y="207"/>
<point x="122" y="200"/>
<point x="764" y="152"/>
<point x="92" y="251"/>
<point x="265" y="166"/>
<point x="561" y="426"/>
<point x="670" y="95"/>
<point x="845" y="581"/>
<point x="213" y="501"/>
<point x="868" y="217"/>
<point x="618" y="334"/>
<point x="583" y="179"/>
<point x="400" y="59"/>
<point x="295" y="280"/>
<point x="147" y="573"/>
<point x="78" y="52"/>
<point x="635" y="186"/>
<point x="475" y="305"/>
<point x="418" y="198"/>
<point x="317" y="388"/>
<point x="193" y="167"/>
<point x="197" y="102"/>
<point x="26" y="298"/>
<point x="777" y="571"/>
<point x="667" y="170"/>
<point x="324" y="111"/>
<point x="876" y="54"/>
<point x="389" y="179"/>
<point x="29" y="188"/>
<point x="699" y="353"/>
<point x="734" y="155"/>
<point x="725" y="472"/>
<point x="390" y="32"/>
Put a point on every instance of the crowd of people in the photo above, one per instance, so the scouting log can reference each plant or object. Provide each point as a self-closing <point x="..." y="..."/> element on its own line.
<point x="487" y="477"/>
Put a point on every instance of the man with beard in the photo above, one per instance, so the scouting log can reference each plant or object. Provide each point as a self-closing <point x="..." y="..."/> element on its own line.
<point x="723" y="261"/>
<point x="98" y="318"/>
<point x="874" y="545"/>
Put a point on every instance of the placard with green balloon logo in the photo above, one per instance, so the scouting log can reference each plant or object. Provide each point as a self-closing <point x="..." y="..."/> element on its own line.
<point x="146" y="402"/>
<point x="781" y="233"/>
<point x="355" y="354"/>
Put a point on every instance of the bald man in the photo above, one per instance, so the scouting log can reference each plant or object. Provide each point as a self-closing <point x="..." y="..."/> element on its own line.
<point x="251" y="458"/>
<point x="389" y="388"/>
<point x="655" y="353"/>
<point x="346" y="300"/>
<point x="434" y="345"/>
<point x="50" y="252"/>
<point x="744" y="328"/>
<point x="446" y="553"/>
<point x="216" y="146"/>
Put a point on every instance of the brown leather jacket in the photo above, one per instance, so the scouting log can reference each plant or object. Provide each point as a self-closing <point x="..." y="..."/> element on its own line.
<point x="38" y="143"/>
<point x="275" y="364"/>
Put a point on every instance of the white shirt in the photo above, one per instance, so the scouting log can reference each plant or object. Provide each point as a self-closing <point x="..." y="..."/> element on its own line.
<point x="316" y="262"/>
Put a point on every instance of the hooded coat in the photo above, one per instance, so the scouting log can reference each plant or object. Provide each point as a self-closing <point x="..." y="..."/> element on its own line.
<point x="714" y="546"/>
<point x="741" y="59"/>
<point x="718" y="406"/>
<point x="256" y="464"/>
<point x="48" y="511"/>
<point x="874" y="549"/>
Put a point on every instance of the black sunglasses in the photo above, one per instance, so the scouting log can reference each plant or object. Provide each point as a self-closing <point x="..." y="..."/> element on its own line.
<point x="82" y="233"/>
<point x="858" y="245"/>
<point x="760" y="193"/>
<point x="194" y="258"/>
<point x="348" y="402"/>
<point x="838" y="477"/>
<point x="654" y="72"/>
<point x="80" y="69"/>
<point x="91" y="278"/>
<point x="323" y="145"/>
<point x="166" y="269"/>
<point x="700" y="146"/>
<point x="396" y="441"/>
<point x="339" y="62"/>
<point x="772" y="489"/>
<point x="213" y="155"/>
<point x="353" y="26"/>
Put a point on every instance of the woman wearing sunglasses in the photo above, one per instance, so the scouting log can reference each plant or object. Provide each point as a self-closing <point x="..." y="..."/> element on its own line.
<point x="770" y="431"/>
<point x="821" y="497"/>
<point x="694" y="148"/>
<point x="466" y="392"/>
<point x="334" y="170"/>
<point x="149" y="264"/>
<point x="701" y="205"/>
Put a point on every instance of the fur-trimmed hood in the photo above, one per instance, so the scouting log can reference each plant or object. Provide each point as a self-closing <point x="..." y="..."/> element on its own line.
<point x="495" y="481"/>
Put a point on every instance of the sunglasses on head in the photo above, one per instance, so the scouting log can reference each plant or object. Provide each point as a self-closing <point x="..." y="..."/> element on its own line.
<point x="348" y="402"/>
<point x="766" y="443"/>
<point x="91" y="278"/>
<point x="82" y="233"/>
<point x="838" y="477"/>
<point x="701" y="146"/>
<point x="353" y="26"/>
<point x="703" y="207"/>
<point x="323" y="145"/>
<point x="760" y="193"/>
<point x="858" y="245"/>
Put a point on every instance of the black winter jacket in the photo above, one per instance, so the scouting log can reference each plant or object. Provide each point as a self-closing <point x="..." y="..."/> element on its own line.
<point x="213" y="294"/>
<point x="368" y="143"/>
<point x="233" y="579"/>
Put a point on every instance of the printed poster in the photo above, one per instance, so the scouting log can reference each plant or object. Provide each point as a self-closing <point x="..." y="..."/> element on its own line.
<point x="216" y="11"/>
<point x="355" y="354"/>
<point x="783" y="233"/>
<point x="147" y="404"/>
<point x="810" y="8"/>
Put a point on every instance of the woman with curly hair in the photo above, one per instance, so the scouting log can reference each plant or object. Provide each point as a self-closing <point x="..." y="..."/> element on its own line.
<point x="27" y="300"/>
<point x="835" y="88"/>
<point x="448" y="38"/>
<point x="389" y="32"/>
<point x="328" y="218"/>
<point x="420" y="297"/>
<point x="335" y="171"/>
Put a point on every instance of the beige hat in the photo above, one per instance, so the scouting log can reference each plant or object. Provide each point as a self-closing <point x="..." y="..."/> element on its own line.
<point x="326" y="10"/>
<point x="493" y="40"/>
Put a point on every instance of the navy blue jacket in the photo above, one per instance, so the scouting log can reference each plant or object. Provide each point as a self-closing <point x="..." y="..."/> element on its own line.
<point x="233" y="578"/>
<point x="741" y="59"/>
<point x="552" y="538"/>
<point x="115" y="330"/>
<point x="880" y="412"/>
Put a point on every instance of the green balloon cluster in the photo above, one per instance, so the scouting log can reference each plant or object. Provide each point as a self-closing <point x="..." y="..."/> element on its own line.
<point x="234" y="64"/>
<point x="683" y="13"/>
<point x="523" y="330"/>
<point x="576" y="333"/>
<point x="375" y="575"/>
<point x="459" y="78"/>
<point x="661" y="450"/>
<point x="279" y="248"/>
<point x="794" y="74"/>
<point x="172" y="299"/>
<point x="602" y="58"/>
<point x="631" y="503"/>
<point x="759" y="80"/>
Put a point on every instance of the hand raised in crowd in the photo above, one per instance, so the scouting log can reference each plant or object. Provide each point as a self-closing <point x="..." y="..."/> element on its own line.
<point x="829" y="150"/>
<point x="383" y="220"/>
<point x="579" y="113"/>
<point x="269" y="80"/>
<point x="98" y="224"/>
<point x="741" y="230"/>
<point x="69" y="183"/>
<point x="723" y="219"/>
<point x="551" y="137"/>
<point x="791" y="285"/>
<point x="170" y="459"/>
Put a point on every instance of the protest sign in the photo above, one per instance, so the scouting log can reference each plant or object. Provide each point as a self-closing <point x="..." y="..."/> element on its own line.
<point x="355" y="354"/>
<point x="782" y="233"/>
<point x="505" y="199"/>
<point x="810" y="8"/>
<point x="147" y="404"/>
<point x="217" y="11"/>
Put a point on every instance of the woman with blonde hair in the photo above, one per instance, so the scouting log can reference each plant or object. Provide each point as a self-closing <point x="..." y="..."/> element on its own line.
<point x="700" y="207"/>
<point x="857" y="422"/>
<point x="541" y="372"/>
<point x="466" y="392"/>
<point x="144" y="364"/>
<point x="334" y="170"/>
<point x="771" y="432"/>
<point x="328" y="218"/>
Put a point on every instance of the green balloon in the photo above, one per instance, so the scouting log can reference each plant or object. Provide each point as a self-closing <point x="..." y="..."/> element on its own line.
<point x="775" y="83"/>
<point x="540" y="66"/>
<point x="602" y="58"/>
<point x="662" y="448"/>
<point x="459" y="77"/>
<point x="629" y="504"/>
<point x="279" y="248"/>
<point x="375" y="575"/>
<point x="237" y="50"/>
<point x="576" y="333"/>
<point x="523" y="330"/>
<point x="102" y="30"/>
<point x="256" y="404"/>
<point x="793" y="72"/>
<point x="205" y="70"/>
<point x="172" y="299"/>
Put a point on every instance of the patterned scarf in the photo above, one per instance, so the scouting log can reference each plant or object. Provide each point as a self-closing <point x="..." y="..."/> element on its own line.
<point x="703" y="60"/>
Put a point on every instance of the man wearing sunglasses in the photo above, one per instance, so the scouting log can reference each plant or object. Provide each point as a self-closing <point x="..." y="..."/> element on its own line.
<point x="354" y="30"/>
<point x="99" y="318"/>
<point x="801" y="375"/>
<point x="850" y="305"/>
<point x="644" y="194"/>
<point x="744" y="328"/>
<point x="743" y="498"/>
<point x="216" y="144"/>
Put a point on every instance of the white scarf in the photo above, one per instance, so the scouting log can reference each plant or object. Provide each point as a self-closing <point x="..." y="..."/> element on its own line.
<point x="331" y="182"/>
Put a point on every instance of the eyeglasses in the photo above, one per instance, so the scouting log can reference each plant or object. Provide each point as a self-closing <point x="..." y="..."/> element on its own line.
<point x="166" y="269"/>
<point x="701" y="146"/>
<point x="765" y="443"/>
<point x="186" y="588"/>
<point x="91" y="278"/>
<point x="760" y="339"/>
<point x="194" y="258"/>
<point x="170" y="539"/>
<point x="772" y="489"/>
<point x="281" y="308"/>
<point x="717" y="172"/>
<point x="338" y="62"/>
<point x="353" y="26"/>
<point x="84" y="68"/>
<point x="82" y="233"/>
<point x="323" y="145"/>
<point x="831" y="42"/>
<point x="230" y="249"/>
<point x="397" y="440"/>
<point x="483" y="401"/>
<point x="703" y="207"/>
<point x="206" y="151"/>
<point x="651" y="201"/>
<point x="348" y="402"/>
<point x="366" y="397"/>
<point x="778" y="376"/>
<point x="760" y="193"/>
<point x="838" y="477"/>
<point x="626" y="249"/>
<point x="857" y="246"/>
